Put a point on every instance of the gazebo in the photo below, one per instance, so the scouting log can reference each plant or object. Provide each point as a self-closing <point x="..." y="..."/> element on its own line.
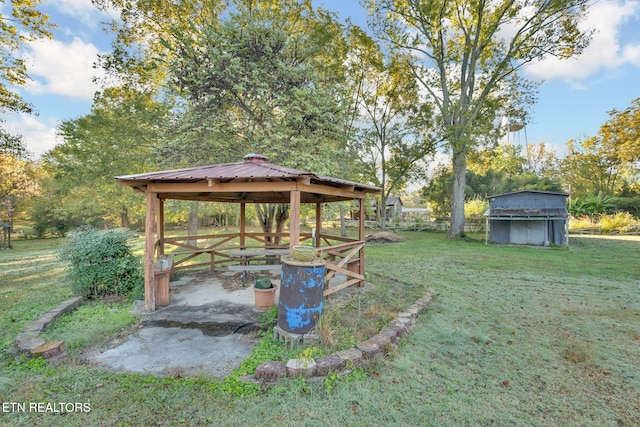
<point x="254" y="180"/>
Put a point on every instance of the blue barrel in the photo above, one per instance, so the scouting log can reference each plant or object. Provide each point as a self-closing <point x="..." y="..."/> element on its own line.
<point x="301" y="295"/>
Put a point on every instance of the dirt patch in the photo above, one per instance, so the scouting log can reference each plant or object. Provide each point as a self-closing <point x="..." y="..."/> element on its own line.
<point x="231" y="281"/>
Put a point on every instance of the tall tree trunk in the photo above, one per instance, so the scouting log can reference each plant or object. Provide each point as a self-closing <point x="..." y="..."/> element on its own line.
<point x="343" y="222"/>
<point x="124" y="218"/>
<point x="281" y="217"/>
<point x="383" y="211"/>
<point x="192" y="225"/>
<point x="457" y="193"/>
<point x="266" y="212"/>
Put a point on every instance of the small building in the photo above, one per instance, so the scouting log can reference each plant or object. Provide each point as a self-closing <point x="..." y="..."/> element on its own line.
<point x="528" y="217"/>
<point x="393" y="208"/>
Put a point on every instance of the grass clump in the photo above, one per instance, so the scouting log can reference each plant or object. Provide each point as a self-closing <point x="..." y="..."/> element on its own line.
<point x="90" y="324"/>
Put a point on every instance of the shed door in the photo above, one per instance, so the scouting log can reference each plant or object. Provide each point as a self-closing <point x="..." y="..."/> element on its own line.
<point x="528" y="232"/>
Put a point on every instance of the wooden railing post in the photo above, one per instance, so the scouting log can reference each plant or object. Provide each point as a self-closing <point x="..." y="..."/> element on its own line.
<point x="361" y="234"/>
<point x="294" y="219"/>
<point x="153" y="205"/>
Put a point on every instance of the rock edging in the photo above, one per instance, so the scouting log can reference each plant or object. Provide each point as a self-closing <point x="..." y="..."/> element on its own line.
<point x="358" y="356"/>
<point x="29" y="341"/>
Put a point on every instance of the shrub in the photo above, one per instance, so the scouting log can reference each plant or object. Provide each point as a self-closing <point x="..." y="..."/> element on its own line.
<point x="475" y="208"/>
<point x="622" y="221"/>
<point x="102" y="263"/>
<point x="592" y="205"/>
<point x="582" y="222"/>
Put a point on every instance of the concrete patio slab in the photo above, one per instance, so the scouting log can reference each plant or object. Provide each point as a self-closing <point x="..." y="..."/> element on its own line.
<point x="206" y="330"/>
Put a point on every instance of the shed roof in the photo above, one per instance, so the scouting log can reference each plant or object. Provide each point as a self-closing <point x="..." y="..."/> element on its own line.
<point x="554" y="193"/>
<point x="252" y="180"/>
<point x="526" y="213"/>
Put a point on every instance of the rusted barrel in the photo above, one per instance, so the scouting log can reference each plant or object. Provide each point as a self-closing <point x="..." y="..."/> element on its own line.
<point x="301" y="295"/>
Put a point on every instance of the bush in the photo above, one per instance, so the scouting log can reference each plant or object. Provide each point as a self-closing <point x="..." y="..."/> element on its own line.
<point x="622" y="221"/>
<point x="582" y="222"/>
<point x="102" y="263"/>
<point x="475" y="208"/>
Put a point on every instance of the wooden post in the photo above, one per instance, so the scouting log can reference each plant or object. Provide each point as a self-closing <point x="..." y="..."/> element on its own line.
<point x="243" y="223"/>
<point x="294" y="219"/>
<point x="318" y="223"/>
<point x="149" y="250"/>
<point x="160" y="227"/>
<point x="361" y="237"/>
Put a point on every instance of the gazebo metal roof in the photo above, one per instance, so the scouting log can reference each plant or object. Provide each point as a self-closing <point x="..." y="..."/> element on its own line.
<point x="253" y="180"/>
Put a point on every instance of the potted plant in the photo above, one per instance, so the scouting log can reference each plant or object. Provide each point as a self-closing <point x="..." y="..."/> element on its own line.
<point x="265" y="293"/>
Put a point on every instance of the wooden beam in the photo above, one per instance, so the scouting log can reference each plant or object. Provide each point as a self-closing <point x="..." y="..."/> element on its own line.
<point x="223" y="187"/>
<point x="149" y="251"/>
<point x="333" y="191"/>
<point x="161" y="227"/>
<point x="318" y="224"/>
<point x="243" y="223"/>
<point x="294" y="219"/>
<point x="361" y="233"/>
<point x="304" y="180"/>
<point x="346" y="272"/>
<point x="341" y="287"/>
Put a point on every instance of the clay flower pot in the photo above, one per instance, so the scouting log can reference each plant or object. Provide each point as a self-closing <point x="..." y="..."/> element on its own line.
<point x="265" y="298"/>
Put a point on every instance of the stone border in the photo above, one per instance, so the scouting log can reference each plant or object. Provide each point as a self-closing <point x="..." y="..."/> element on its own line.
<point x="360" y="355"/>
<point x="29" y="341"/>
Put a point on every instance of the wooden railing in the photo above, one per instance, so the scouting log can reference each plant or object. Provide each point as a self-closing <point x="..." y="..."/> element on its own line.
<point x="346" y="258"/>
<point x="216" y="246"/>
<point x="343" y="255"/>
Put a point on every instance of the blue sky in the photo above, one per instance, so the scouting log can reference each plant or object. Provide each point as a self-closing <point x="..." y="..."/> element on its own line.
<point x="572" y="102"/>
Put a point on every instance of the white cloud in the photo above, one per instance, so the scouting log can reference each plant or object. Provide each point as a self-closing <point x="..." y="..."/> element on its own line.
<point x="63" y="69"/>
<point x="631" y="54"/>
<point x="605" y="50"/>
<point x="83" y="11"/>
<point x="39" y="137"/>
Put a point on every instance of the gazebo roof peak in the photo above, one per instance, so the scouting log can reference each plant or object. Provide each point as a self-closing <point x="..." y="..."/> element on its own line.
<point x="256" y="158"/>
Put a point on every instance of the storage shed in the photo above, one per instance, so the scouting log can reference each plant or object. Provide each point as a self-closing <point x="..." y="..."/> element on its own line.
<point x="528" y="217"/>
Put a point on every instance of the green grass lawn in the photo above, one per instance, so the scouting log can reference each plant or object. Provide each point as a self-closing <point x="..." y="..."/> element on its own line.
<point x="515" y="336"/>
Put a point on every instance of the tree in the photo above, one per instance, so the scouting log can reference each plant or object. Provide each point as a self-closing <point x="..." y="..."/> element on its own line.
<point x="606" y="165"/>
<point x="542" y="161"/>
<point x="467" y="57"/>
<point x="144" y="32"/>
<point x="257" y="82"/>
<point x="24" y="24"/>
<point x="253" y="83"/>
<point x="391" y="135"/>
<point x="622" y="130"/>
<point x="13" y="145"/>
<point x="591" y="167"/>
<point x="118" y="137"/>
<point x="500" y="170"/>
<point x="17" y="182"/>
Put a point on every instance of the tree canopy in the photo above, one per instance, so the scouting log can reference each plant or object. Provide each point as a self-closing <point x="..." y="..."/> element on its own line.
<point x="23" y="24"/>
<point x="120" y="136"/>
<point x="467" y="55"/>
<point x="390" y="133"/>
